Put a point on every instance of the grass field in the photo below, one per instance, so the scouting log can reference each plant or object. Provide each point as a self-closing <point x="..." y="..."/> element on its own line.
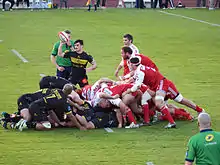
<point x="185" y="51"/>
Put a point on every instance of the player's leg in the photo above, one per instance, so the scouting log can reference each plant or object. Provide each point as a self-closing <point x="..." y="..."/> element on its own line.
<point x="160" y="103"/>
<point x="176" y="96"/>
<point x="83" y="82"/>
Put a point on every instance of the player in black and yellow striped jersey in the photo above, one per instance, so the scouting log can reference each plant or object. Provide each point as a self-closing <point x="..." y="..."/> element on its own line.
<point x="79" y="59"/>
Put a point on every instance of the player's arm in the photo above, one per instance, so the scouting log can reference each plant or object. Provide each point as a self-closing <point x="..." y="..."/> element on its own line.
<point x="54" y="117"/>
<point x="120" y="66"/>
<point x="75" y="122"/>
<point x="188" y="163"/>
<point x="190" y="153"/>
<point x="53" y="56"/>
<point x="93" y="63"/>
<point x="107" y="96"/>
<point x="60" y="51"/>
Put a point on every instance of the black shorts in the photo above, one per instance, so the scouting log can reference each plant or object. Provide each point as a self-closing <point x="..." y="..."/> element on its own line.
<point x="24" y="101"/>
<point x="53" y="82"/>
<point x="82" y="81"/>
<point x="38" y="111"/>
<point x="100" y="119"/>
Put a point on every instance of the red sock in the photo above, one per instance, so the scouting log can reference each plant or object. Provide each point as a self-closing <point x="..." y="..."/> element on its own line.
<point x="151" y="113"/>
<point x="146" y="113"/>
<point x="198" y="109"/>
<point x="181" y="113"/>
<point x="131" y="117"/>
<point x="167" y="114"/>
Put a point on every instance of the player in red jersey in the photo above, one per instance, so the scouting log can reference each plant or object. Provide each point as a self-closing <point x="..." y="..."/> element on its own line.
<point x="162" y="86"/>
<point x="126" y="53"/>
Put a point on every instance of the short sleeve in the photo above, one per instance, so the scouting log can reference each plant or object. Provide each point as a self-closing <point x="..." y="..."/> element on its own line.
<point x="55" y="49"/>
<point x="90" y="59"/>
<point x="190" y="153"/>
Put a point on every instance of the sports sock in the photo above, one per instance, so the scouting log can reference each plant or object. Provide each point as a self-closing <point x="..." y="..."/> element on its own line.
<point x="131" y="117"/>
<point x="167" y="114"/>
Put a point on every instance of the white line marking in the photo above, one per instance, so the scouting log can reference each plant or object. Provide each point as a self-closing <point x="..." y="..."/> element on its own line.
<point x="42" y="75"/>
<point x="149" y="163"/>
<point x="108" y="130"/>
<point x="193" y="19"/>
<point x="1" y="40"/>
<point x="19" y="55"/>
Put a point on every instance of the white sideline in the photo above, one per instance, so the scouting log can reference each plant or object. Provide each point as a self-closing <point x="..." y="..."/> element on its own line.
<point x="193" y="19"/>
<point x="1" y="40"/>
<point x="19" y="55"/>
<point x="42" y="75"/>
<point x="108" y="130"/>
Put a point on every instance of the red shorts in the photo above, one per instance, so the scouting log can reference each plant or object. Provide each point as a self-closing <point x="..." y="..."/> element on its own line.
<point x="119" y="89"/>
<point x="168" y="87"/>
<point x="143" y="88"/>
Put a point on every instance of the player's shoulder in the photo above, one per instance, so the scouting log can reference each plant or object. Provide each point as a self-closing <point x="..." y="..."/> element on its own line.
<point x="56" y="44"/>
<point x="72" y="42"/>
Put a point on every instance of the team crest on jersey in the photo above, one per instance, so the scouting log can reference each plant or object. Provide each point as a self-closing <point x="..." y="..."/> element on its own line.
<point x="209" y="137"/>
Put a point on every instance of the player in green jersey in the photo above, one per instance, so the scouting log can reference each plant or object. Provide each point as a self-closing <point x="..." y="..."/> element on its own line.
<point x="204" y="147"/>
<point x="63" y="65"/>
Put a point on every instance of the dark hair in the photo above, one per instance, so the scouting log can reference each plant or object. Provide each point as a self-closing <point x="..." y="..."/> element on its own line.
<point x="67" y="31"/>
<point x="127" y="49"/>
<point x="135" y="60"/>
<point x="129" y="37"/>
<point x="79" y="41"/>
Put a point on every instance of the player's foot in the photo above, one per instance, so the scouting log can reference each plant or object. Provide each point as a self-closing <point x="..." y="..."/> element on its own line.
<point x="169" y="125"/>
<point x="3" y="9"/>
<point x="21" y="125"/>
<point x="156" y="117"/>
<point x="191" y="118"/>
<point x="11" y="9"/>
<point x="132" y="125"/>
<point x="145" y="124"/>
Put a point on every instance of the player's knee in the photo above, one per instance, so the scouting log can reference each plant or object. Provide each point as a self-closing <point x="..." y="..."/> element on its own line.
<point x="159" y="101"/>
<point x="179" y="98"/>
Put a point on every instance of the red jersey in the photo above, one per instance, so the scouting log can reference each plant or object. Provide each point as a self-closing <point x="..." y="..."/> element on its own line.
<point x="146" y="61"/>
<point x="148" y="76"/>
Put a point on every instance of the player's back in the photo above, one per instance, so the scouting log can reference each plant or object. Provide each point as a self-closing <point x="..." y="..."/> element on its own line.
<point x="134" y="49"/>
<point x="146" y="61"/>
<point x="151" y="77"/>
<point x="52" y="82"/>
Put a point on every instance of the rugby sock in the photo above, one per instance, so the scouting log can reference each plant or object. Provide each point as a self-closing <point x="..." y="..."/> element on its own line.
<point x="167" y="114"/>
<point x="198" y="109"/>
<point x="151" y="113"/>
<point x="131" y="117"/>
<point x="95" y="7"/>
<point x="146" y="113"/>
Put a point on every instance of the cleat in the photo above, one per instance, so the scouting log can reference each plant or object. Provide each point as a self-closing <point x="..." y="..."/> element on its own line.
<point x="132" y="125"/>
<point x="169" y="125"/>
<point x="145" y="124"/>
<point x="21" y="125"/>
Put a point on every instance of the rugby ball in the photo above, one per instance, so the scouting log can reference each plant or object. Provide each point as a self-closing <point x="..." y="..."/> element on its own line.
<point x="63" y="36"/>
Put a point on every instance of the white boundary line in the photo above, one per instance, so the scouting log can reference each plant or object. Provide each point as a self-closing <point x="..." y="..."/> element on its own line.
<point x="42" y="75"/>
<point x="193" y="19"/>
<point x="1" y="41"/>
<point x="108" y="130"/>
<point x="19" y="55"/>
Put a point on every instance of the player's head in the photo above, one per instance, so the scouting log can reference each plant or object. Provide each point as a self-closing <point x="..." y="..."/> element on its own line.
<point x="67" y="89"/>
<point x="204" y="121"/>
<point x="68" y="32"/>
<point x="126" y="52"/>
<point x="104" y="103"/>
<point x="127" y="39"/>
<point x="135" y="62"/>
<point x="78" y="44"/>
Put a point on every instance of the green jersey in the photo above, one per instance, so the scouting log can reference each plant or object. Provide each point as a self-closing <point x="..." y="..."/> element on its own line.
<point x="205" y="148"/>
<point x="60" y="60"/>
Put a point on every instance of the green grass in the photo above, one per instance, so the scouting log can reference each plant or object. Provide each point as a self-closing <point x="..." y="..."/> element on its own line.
<point x="185" y="51"/>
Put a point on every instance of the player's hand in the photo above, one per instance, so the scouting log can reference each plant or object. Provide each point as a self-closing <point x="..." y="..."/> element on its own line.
<point x="119" y="125"/>
<point x="82" y="128"/>
<point x="60" y="68"/>
<point x="62" y="42"/>
<point x="62" y="124"/>
<point x="116" y="73"/>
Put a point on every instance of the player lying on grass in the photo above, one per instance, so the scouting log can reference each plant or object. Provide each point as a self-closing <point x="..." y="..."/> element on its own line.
<point x="162" y="86"/>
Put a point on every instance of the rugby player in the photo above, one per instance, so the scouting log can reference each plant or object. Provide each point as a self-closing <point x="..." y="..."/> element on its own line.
<point x="79" y="59"/>
<point x="162" y="86"/>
